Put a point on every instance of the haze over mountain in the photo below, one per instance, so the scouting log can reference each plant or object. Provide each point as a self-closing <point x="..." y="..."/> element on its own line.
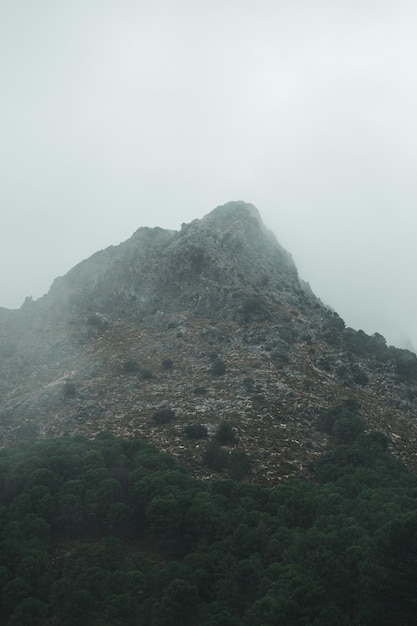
<point x="191" y="329"/>
<point x="120" y="114"/>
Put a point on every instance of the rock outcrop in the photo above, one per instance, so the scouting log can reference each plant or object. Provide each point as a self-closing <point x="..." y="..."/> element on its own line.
<point x="210" y="267"/>
<point x="208" y="324"/>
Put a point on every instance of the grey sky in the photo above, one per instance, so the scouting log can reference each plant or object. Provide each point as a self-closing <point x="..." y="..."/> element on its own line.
<point x="116" y="114"/>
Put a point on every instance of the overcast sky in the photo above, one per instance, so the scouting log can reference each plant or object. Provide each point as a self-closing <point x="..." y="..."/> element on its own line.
<point x="116" y="114"/>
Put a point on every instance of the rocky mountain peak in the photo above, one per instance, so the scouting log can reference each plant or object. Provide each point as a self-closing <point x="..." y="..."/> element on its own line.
<point x="211" y="266"/>
<point x="174" y="333"/>
<point x="233" y="215"/>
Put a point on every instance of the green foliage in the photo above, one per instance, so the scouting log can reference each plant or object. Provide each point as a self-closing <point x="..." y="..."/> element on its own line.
<point x="249" y="384"/>
<point x="179" y="604"/>
<point x="110" y="532"/>
<point x="288" y="334"/>
<point x="358" y="342"/>
<point x="341" y="423"/>
<point x="196" y="431"/>
<point x="335" y="323"/>
<point x="378" y="439"/>
<point x="396" y="557"/>
<point x="361" y="344"/>
<point x="215" y="457"/>
<point x="252" y="305"/>
<point x="98" y="320"/>
<point x="164" y="416"/>
<point x="324" y="363"/>
<point x="405" y="363"/>
<point x="360" y="377"/>
<point x="30" y="612"/>
<point x="218" y="368"/>
<point x="347" y="429"/>
<point x="225" y="434"/>
<point x="240" y="464"/>
<point x="145" y="373"/>
<point x="130" y="365"/>
<point x="254" y="308"/>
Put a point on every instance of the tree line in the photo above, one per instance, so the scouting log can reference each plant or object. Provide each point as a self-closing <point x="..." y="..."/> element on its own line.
<point x="111" y="532"/>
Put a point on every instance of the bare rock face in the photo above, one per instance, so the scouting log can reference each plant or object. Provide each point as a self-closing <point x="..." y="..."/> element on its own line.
<point x="206" y="325"/>
<point x="212" y="266"/>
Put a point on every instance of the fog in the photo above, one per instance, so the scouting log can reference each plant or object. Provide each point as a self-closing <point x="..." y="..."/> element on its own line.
<point x="120" y="114"/>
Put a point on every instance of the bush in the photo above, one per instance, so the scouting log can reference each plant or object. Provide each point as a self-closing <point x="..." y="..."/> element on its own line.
<point x="328" y="418"/>
<point x="347" y="429"/>
<point x="254" y="308"/>
<point x="335" y="323"/>
<point x="359" y="377"/>
<point x="145" y="373"/>
<point x="240" y="463"/>
<point x="130" y="366"/>
<point x="280" y="357"/>
<point x="218" y="368"/>
<point x="288" y="334"/>
<point x="249" y="385"/>
<point x="405" y="363"/>
<point x="167" y="364"/>
<point x="379" y="439"/>
<point x="378" y="346"/>
<point x="98" y="320"/>
<point x="324" y="363"/>
<point x="196" y="431"/>
<point x="215" y="457"/>
<point x="164" y="416"/>
<point x="351" y="405"/>
<point x="225" y="434"/>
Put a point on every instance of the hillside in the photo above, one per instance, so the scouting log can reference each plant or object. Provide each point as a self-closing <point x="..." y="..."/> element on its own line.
<point x="211" y="324"/>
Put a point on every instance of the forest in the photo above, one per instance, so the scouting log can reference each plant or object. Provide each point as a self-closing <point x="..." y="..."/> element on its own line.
<point x="110" y="532"/>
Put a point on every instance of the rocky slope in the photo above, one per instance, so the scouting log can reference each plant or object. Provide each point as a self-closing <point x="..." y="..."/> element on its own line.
<point x="214" y="324"/>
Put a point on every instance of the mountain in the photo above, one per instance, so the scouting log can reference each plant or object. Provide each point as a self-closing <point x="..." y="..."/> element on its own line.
<point x="207" y="268"/>
<point x="171" y="335"/>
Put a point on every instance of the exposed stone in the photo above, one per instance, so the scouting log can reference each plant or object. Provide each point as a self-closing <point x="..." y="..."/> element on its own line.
<point x="221" y="290"/>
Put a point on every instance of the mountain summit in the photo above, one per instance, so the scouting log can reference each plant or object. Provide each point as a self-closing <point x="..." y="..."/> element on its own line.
<point x="210" y="267"/>
<point x="203" y="341"/>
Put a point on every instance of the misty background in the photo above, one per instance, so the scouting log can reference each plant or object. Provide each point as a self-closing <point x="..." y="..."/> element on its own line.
<point x="121" y="114"/>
